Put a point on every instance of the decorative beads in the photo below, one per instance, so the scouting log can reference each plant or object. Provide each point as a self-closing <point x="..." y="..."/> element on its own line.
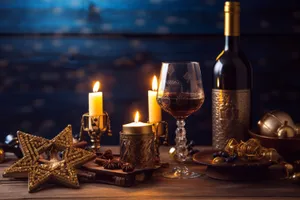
<point x="223" y="156"/>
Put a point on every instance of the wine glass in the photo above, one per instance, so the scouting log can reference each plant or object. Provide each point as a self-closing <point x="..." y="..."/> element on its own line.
<point x="180" y="93"/>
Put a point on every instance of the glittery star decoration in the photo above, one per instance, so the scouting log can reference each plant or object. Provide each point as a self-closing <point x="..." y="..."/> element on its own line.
<point x="40" y="170"/>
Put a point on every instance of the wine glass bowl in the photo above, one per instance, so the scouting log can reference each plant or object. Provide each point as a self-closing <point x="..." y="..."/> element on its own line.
<point x="181" y="105"/>
<point x="180" y="93"/>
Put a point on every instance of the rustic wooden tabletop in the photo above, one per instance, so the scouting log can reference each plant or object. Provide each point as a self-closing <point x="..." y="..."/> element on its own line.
<point x="157" y="188"/>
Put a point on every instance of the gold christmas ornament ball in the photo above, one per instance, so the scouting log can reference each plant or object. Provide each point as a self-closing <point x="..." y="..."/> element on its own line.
<point x="281" y="134"/>
<point x="297" y="129"/>
<point x="2" y="155"/>
<point x="272" y="121"/>
<point x="272" y="155"/>
<point x="286" y="131"/>
<point x="218" y="160"/>
<point x="295" y="177"/>
<point x="172" y="152"/>
<point x="289" y="169"/>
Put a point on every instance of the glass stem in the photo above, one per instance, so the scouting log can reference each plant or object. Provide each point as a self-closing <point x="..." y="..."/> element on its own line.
<point x="181" y="147"/>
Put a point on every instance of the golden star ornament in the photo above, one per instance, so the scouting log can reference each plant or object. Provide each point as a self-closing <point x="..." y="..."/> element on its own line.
<point x="41" y="162"/>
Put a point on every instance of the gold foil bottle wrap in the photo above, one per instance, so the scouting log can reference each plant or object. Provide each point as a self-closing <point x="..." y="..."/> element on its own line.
<point x="230" y="116"/>
<point x="232" y="18"/>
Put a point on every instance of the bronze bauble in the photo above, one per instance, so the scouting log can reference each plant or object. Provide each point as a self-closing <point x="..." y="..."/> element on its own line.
<point x="286" y="131"/>
<point x="281" y="134"/>
<point x="2" y="155"/>
<point x="272" y="155"/>
<point x="297" y="129"/>
<point x="272" y="121"/>
<point x="172" y="152"/>
<point x="295" y="177"/>
<point x="218" y="160"/>
<point x="289" y="169"/>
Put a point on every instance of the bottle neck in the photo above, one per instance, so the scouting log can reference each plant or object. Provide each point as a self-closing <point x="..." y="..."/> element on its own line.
<point x="232" y="43"/>
<point x="232" y="26"/>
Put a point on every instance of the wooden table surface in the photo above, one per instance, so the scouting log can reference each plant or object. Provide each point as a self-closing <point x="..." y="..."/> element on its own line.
<point x="157" y="188"/>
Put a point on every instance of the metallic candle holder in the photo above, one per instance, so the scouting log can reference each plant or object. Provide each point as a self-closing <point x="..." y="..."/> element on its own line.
<point x="92" y="125"/>
<point x="160" y="134"/>
<point x="137" y="146"/>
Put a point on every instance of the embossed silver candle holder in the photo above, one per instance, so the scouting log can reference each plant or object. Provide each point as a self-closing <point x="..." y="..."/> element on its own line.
<point x="95" y="126"/>
<point x="161" y="133"/>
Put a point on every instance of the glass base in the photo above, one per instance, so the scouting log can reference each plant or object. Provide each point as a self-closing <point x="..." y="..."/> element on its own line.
<point x="181" y="173"/>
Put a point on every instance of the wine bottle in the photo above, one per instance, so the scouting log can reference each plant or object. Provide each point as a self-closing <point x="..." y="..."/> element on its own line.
<point x="232" y="83"/>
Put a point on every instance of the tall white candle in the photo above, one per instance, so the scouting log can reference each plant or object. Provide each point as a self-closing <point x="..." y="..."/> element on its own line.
<point x="96" y="103"/>
<point x="153" y="107"/>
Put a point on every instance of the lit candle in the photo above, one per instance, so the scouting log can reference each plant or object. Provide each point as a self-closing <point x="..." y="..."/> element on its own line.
<point x="137" y="127"/>
<point x="153" y="107"/>
<point x="96" y="103"/>
<point x="137" y="144"/>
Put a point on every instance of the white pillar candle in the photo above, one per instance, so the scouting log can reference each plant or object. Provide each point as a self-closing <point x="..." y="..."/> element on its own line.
<point x="153" y="107"/>
<point x="137" y="127"/>
<point x="96" y="103"/>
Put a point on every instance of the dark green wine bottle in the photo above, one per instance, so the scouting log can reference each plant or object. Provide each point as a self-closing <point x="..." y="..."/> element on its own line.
<point x="232" y="83"/>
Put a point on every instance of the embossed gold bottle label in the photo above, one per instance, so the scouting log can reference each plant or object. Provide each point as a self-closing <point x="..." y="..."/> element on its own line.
<point x="230" y="115"/>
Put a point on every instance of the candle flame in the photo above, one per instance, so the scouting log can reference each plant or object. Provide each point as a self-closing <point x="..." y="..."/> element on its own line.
<point x="137" y="117"/>
<point x="154" y="83"/>
<point x="96" y="86"/>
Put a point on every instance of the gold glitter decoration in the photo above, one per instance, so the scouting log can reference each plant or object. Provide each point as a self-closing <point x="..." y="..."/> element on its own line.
<point x="230" y="146"/>
<point x="39" y="170"/>
<point x="251" y="150"/>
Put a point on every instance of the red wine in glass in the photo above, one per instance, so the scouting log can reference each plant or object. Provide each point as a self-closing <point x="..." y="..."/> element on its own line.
<point x="180" y="105"/>
<point x="180" y="93"/>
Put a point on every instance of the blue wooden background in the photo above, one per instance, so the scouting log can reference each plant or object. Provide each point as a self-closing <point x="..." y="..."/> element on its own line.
<point x="51" y="51"/>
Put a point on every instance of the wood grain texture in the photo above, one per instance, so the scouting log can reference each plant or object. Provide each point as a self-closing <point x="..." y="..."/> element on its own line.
<point x="145" y="17"/>
<point x="158" y="188"/>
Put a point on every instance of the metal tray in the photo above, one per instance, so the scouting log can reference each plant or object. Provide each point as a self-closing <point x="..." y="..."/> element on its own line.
<point x="236" y="171"/>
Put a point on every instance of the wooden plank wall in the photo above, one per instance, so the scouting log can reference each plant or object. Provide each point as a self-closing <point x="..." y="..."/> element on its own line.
<point x="51" y="51"/>
<point x="145" y="17"/>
